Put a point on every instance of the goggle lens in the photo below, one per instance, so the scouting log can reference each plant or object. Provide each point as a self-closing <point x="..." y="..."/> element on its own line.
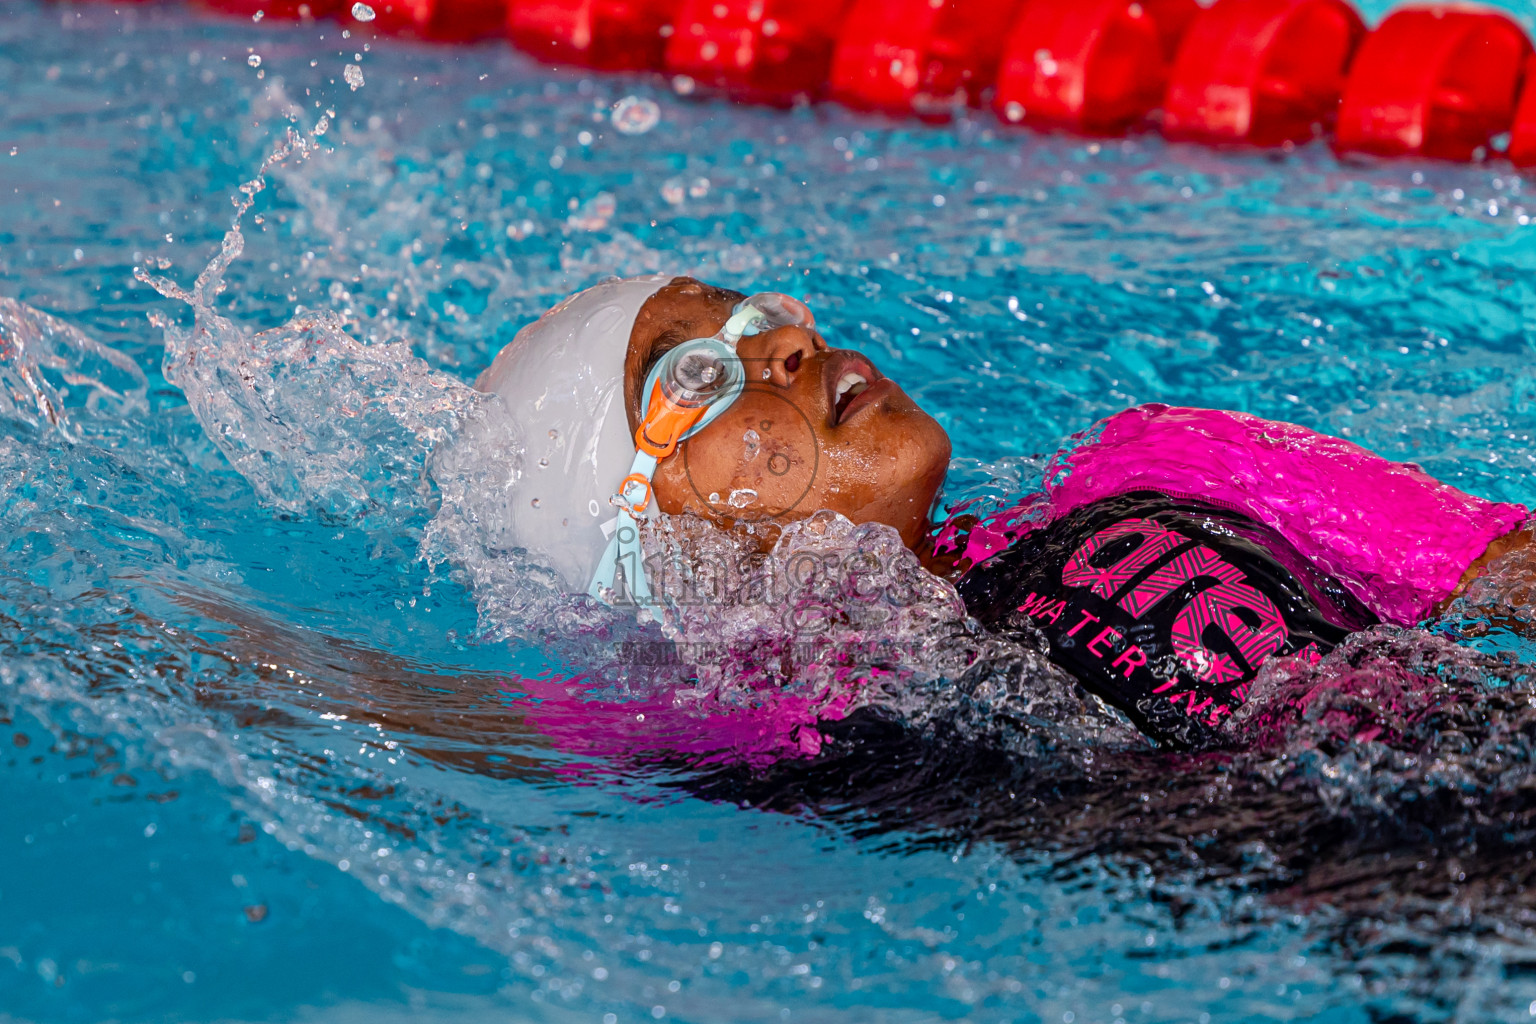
<point x="696" y="377"/>
<point x="779" y="310"/>
<point x="766" y="311"/>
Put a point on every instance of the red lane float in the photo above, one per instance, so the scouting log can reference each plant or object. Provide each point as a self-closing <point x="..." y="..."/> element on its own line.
<point x="1522" y="134"/>
<point x="1264" y="72"/>
<point x="1172" y="18"/>
<point x="610" y="35"/>
<point x="770" y="51"/>
<point x="282" y="10"/>
<point x="445" y="21"/>
<point x="1089" y="65"/>
<point x="923" y="56"/>
<point x="1433" y="81"/>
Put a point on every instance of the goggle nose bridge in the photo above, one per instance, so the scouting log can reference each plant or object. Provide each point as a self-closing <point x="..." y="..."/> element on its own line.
<point x="765" y="311"/>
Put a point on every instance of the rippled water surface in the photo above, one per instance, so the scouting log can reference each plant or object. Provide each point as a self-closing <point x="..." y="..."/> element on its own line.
<point x="286" y="737"/>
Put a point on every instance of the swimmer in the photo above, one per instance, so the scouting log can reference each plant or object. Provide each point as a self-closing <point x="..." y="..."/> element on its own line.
<point x="1171" y="554"/>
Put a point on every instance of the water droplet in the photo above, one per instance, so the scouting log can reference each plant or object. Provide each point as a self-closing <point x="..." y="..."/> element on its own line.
<point x="362" y="12"/>
<point x="258" y="15"/>
<point x="553" y="434"/>
<point x="254" y="60"/>
<point x="767" y="373"/>
<point x="535" y="503"/>
<point x="714" y="497"/>
<point x="592" y="507"/>
<point x="354" y="76"/>
<point x="742" y="498"/>
<point x="634" y="115"/>
<point x="543" y="463"/>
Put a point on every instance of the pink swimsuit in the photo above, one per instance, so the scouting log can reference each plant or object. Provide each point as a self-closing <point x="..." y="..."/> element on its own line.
<point x="1395" y="537"/>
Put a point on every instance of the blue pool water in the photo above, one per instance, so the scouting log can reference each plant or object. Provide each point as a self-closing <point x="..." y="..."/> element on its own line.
<point x="260" y="756"/>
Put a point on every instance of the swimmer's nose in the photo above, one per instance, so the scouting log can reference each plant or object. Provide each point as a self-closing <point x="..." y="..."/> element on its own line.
<point x="777" y="356"/>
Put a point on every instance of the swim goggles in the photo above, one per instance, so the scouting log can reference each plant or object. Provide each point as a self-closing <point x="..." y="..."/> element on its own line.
<point x="686" y="389"/>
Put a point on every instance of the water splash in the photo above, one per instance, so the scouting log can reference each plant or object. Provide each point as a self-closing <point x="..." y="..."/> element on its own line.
<point x="210" y="281"/>
<point x="48" y="368"/>
<point x="311" y="417"/>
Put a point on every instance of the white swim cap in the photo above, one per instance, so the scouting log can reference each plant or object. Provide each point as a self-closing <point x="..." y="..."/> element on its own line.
<point x="561" y="383"/>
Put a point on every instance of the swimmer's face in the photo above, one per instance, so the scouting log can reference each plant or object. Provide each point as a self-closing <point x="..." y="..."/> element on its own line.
<point x="816" y="428"/>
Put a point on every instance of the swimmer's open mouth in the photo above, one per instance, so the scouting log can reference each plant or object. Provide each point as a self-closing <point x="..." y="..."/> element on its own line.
<point x="852" y="384"/>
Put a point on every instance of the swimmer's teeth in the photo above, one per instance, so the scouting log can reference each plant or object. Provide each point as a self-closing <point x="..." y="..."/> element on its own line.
<point x="849" y="386"/>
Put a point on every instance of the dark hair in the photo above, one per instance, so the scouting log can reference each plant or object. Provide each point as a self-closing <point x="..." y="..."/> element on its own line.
<point x="665" y="342"/>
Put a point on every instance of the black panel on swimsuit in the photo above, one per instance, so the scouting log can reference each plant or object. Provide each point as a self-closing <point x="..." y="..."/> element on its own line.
<point x="1164" y="607"/>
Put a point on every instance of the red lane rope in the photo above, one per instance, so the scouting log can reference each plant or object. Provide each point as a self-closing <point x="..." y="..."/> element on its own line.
<point x="1446" y="81"/>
